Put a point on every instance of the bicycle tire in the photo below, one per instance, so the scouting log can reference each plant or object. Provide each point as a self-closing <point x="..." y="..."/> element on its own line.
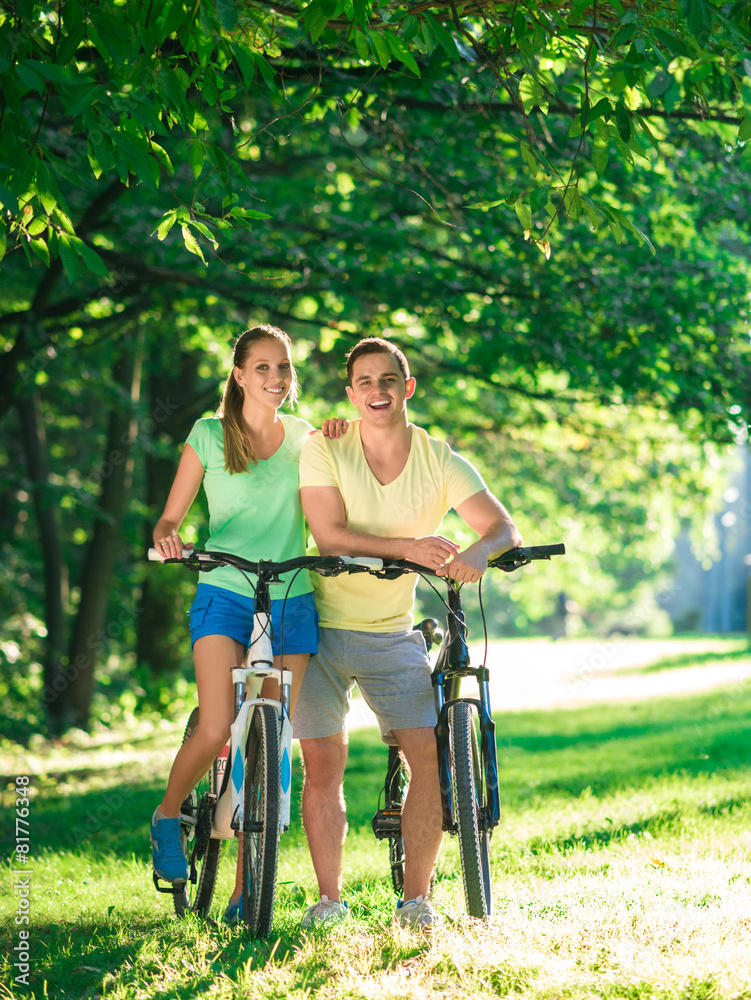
<point x="202" y="852"/>
<point x="396" y="788"/>
<point x="470" y="810"/>
<point x="261" y="824"/>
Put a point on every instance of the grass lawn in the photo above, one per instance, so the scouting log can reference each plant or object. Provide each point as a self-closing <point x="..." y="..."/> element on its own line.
<point x="621" y="869"/>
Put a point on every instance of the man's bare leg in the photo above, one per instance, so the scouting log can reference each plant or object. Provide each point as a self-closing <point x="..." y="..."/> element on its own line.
<point x="323" y="810"/>
<point x="421" y="813"/>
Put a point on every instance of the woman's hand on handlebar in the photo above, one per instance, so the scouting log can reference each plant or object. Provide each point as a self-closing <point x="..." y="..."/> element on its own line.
<point x="171" y="547"/>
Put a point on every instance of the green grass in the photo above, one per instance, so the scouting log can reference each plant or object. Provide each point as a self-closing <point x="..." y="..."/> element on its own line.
<point x="729" y="651"/>
<point x="621" y="869"/>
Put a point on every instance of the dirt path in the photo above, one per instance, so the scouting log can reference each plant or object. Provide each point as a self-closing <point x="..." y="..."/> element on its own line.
<point x="539" y="673"/>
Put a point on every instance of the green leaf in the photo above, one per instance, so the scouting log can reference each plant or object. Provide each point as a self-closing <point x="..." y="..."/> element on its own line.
<point x="698" y="15"/>
<point x="245" y="61"/>
<point x="603" y="109"/>
<point x="90" y="257"/>
<point x="600" y="153"/>
<point x="572" y="203"/>
<point x="444" y="37"/>
<point x="382" y="50"/>
<point x="175" y="18"/>
<point x="532" y="95"/>
<point x="315" y="19"/>
<point x="71" y="263"/>
<point x="191" y="244"/>
<point x="69" y="44"/>
<point x="30" y="77"/>
<point x="248" y="213"/>
<point x="361" y="44"/>
<point x="205" y="231"/>
<point x="40" y="248"/>
<point x="196" y="156"/>
<point x="401" y="52"/>
<point x="671" y="42"/>
<point x="524" y="214"/>
<point x="267" y="72"/>
<point x="539" y="199"/>
<point x="622" y="121"/>
<point x="228" y="13"/>
<point x="486" y="204"/>
<point x="529" y="158"/>
<point x="628" y="224"/>
<point x="3" y="243"/>
<point x="361" y="12"/>
<point x="168" y="221"/>
<point x="744" y="129"/>
<point x="47" y="188"/>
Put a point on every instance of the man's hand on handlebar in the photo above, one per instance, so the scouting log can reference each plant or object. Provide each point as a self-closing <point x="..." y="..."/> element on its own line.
<point x="469" y="565"/>
<point x="433" y="551"/>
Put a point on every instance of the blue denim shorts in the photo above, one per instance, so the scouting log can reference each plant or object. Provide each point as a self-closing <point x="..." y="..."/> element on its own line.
<point x="217" y="611"/>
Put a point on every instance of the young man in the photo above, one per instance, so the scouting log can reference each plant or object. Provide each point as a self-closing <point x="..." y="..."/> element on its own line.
<point x="381" y="490"/>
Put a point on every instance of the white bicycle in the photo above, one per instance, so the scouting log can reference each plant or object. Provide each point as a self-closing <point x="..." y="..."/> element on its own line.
<point x="248" y="788"/>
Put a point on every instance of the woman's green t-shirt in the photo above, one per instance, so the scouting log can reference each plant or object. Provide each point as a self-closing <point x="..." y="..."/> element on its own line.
<point x="254" y="514"/>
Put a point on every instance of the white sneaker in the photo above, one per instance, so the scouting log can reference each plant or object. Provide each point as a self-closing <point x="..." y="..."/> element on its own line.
<point x="418" y="913"/>
<point x="325" y="911"/>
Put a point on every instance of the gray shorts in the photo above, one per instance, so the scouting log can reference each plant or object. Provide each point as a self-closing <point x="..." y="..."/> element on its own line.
<point x="391" y="670"/>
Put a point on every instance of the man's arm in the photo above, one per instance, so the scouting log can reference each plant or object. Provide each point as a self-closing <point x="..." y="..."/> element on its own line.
<point x="497" y="531"/>
<point x="326" y="516"/>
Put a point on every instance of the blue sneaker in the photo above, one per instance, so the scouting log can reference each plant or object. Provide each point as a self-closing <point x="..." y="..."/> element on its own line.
<point x="233" y="915"/>
<point x="168" y="856"/>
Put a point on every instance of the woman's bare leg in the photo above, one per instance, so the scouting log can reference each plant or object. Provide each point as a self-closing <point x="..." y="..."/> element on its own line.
<point x="214" y="657"/>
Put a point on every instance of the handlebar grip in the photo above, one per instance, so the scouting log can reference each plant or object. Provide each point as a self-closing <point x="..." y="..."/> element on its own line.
<point x="156" y="556"/>
<point x="542" y="551"/>
<point x="367" y="562"/>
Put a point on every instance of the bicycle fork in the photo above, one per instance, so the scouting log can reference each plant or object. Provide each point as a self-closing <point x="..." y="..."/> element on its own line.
<point x="258" y="664"/>
<point x="488" y="755"/>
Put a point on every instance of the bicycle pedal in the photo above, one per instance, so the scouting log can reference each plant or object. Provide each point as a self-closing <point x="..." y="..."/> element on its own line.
<point x="172" y="889"/>
<point x="387" y="823"/>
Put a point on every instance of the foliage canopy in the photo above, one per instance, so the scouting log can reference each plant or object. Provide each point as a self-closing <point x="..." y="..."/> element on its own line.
<point x="547" y="204"/>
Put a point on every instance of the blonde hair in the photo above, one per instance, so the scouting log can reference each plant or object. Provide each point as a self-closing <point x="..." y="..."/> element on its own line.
<point x="238" y="448"/>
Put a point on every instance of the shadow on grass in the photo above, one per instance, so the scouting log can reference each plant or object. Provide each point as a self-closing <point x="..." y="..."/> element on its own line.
<point x="664" y="821"/>
<point x="91" y="958"/>
<point x="688" y="659"/>
<point x="608" y="748"/>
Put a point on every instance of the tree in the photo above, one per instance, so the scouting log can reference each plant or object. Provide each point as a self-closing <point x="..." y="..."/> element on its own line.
<point x="389" y="190"/>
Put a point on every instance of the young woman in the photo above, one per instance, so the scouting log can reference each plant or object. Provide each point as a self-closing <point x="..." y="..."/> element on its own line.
<point x="247" y="458"/>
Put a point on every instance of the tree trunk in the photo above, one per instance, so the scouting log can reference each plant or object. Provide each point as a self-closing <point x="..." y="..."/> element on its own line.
<point x="55" y="569"/>
<point x="91" y="630"/>
<point x="176" y="403"/>
<point x="22" y="350"/>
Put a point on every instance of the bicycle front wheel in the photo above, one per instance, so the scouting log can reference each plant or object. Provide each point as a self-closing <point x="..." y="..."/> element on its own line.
<point x="195" y="837"/>
<point x="261" y="825"/>
<point x="396" y="788"/>
<point x="470" y="810"/>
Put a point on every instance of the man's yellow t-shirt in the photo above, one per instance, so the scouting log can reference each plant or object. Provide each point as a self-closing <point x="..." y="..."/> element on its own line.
<point x="434" y="479"/>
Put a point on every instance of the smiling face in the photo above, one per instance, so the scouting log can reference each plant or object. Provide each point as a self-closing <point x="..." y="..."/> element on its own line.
<point x="266" y="375"/>
<point x="379" y="389"/>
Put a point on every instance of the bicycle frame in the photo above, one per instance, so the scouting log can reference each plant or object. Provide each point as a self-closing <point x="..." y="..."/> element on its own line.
<point x="452" y="664"/>
<point x="258" y="664"/>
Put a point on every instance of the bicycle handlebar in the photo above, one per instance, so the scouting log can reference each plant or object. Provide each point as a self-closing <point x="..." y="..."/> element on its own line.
<point x="334" y="565"/>
<point x="202" y="559"/>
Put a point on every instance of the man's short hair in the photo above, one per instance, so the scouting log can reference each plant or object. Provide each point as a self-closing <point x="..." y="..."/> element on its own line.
<point x="376" y="345"/>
